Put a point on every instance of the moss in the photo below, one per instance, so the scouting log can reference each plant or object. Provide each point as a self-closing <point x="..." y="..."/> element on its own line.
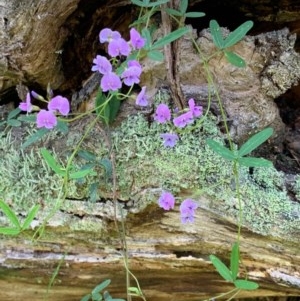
<point x="145" y="168"/>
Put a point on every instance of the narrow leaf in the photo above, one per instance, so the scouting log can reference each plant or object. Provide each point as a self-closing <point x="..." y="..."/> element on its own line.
<point x="93" y="192"/>
<point x="80" y="174"/>
<point x="10" y="214"/>
<point x="9" y="231"/>
<point x="183" y="5"/>
<point x="255" y="141"/>
<point x="62" y="126"/>
<point x="221" y="150"/>
<point x="114" y="106"/>
<point x="194" y="15"/>
<point x="101" y="286"/>
<point x="86" y="297"/>
<point x="146" y="34"/>
<point x="14" y="122"/>
<point x="238" y="34"/>
<point x="31" y="215"/>
<point x="254" y="162"/>
<point x="155" y="55"/>
<point x="148" y="4"/>
<point x="52" y="162"/>
<point x="235" y="59"/>
<point x="174" y="35"/>
<point x="245" y="285"/>
<point x="106" y="163"/>
<point x="27" y="118"/>
<point x="86" y="155"/>
<point x="173" y="12"/>
<point x="35" y="137"/>
<point x="97" y="297"/>
<point x="216" y="34"/>
<point x="221" y="268"/>
<point x="14" y="113"/>
<point x="234" y="260"/>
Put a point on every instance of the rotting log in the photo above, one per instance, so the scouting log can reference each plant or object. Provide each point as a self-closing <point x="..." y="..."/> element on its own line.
<point x="170" y="260"/>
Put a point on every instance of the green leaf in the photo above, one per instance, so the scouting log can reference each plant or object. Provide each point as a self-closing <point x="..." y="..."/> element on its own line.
<point x="106" y="163"/>
<point x="9" y="231"/>
<point x="234" y="59"/>
<point x="255" y="141"/>
<point x="86" y="155"/>
<point x="14" y="113"/>
<point x="14" y="122"/>
<point x="148" y="4"/>
<point x="62" y="126"/>
<point x="31" y="215"/>
<point x="254" y="162"/>
<point x="86" y="297"/>
<point x="216" y="34"/>
<point x="234" y="260"/>
<point x="134" y="290"/>
<point x="238" y="34"/>
<point x="221" y="150"/>
<point x="35" y="137"/>
<point x="28" y="118"/>
<point x="155" y="55"/>
<point x="174" y="35"/>
<point x="183" y="5"/>
<point x="10" y="214"/>
<point x="58" y="169"/>
<point x="96" y="297"/>
<point x="174" y="12"/>
<point x="194" y="15"/>
<point x="146" y="34"/>
<point x="245" y="285"/>
<point x="80" y="174"/>
<point x="221" y="268"/>
<point x="93" y="192"/>
<point x="114" y="105"/>
<point x="101" y="286"/>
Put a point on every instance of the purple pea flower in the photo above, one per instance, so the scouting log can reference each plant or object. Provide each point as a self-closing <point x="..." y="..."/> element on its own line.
<point x="60" y="104"/>
<point x="110" y="82"/>
<point x="196" y="110"/>
<point x="187" y="210"/>
<point x="26" y="105"/>
<point x="107" y="35"/>
<point x="136" y="41"/>
<point x="118" y="47"/>
<point x="166" y="201"/>
<point x="135" y="63"/>
<point x="169" y="139"/>
<point x="46" y="119"/>
<point x="131" y="75"/>
<point x="184" y="119"/>
<point x="162" y="113"/>
<point x="101" y="64"/>
<point x="141" y="99"/>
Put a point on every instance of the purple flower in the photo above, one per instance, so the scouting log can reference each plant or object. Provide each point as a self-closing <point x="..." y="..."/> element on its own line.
<point x="189" y="205"/>
<point x="60" y="104"/>
<point x="101" y="64"/>
<point x="118" y="47"/>
<point x="26" y="105"/>
<point x="107" y="35"/>
<point x="136" y="40"/>
<point x="37" y="96"/>
<point x="162" y="114"/>
<point x="182" y="120"/>
<point x="187" y="210"/>
<point x="131" y="75"/>
<point x="166" y="201"/>
<point x="141" y="99"/>
<point x="46" y="119"/>
<point x="196" y="110"/>
<point x="169" y="139"/>
<point x="110" y="81"/>
<point x="134" y="63"/>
